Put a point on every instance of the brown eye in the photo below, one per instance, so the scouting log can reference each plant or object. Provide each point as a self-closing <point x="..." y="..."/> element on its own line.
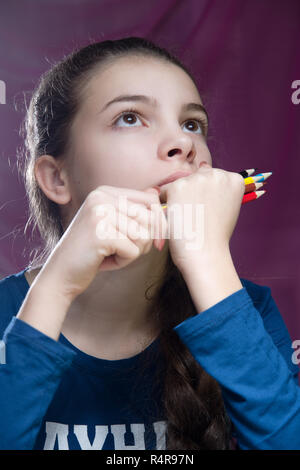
<point x="195" y="124"/>
<point x="192" y="126"/>
<point x="128" y="117"/>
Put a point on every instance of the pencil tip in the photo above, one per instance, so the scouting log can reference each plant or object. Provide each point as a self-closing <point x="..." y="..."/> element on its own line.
<point x="265" y="175"/>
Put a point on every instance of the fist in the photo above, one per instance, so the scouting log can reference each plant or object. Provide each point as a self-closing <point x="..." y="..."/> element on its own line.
<point x="202" y="213"/>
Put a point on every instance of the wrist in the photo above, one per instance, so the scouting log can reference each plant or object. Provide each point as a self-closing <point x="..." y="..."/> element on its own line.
<point x="206" y="262"/>
<point x="45" y="307"/>
<point x="50" y="287"/>
<point x="211" y="279"/>
<point x="51" y="281"/>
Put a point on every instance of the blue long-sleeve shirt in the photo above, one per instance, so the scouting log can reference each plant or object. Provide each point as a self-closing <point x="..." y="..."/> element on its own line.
<point x="54" y="396"/>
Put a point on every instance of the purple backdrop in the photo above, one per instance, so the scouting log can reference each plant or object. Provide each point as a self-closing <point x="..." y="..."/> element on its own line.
<point x="245" y="55"/>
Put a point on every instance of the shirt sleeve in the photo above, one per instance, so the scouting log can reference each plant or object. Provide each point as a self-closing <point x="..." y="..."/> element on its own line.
<point x="33" y="368"/>
<point x="259" y="382"/>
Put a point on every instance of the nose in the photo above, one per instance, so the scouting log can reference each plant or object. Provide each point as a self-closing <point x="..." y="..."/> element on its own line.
<point x="180" y="147"/>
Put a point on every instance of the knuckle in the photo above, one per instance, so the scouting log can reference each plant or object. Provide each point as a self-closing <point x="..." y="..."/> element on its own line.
<point x="221" y="174"/>
<point x="180" y="183"/>
<point x="93" y="194"/>
<point x="239" y="180"/>
<point x="98" y="192"/>
<point x="101" y="189"/>
<point x="92" y="197"/>
<point x="138" y="253"/>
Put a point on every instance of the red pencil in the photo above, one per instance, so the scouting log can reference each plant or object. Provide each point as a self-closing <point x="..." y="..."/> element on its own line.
<point x="251" y="196"/>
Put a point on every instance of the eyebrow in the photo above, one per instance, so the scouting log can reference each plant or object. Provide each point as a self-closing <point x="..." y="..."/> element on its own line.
<point x="153" y="102"/>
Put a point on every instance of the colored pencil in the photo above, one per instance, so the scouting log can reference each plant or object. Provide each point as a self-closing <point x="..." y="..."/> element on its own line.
<point x="251" y="196"/>
<point x="253" y="186"/>
<point x="257" y="178"/>
<point x="246" y="173"/>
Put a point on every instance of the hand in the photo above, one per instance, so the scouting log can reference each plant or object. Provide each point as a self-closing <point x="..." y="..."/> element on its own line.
<point x="214" y="198"/>
<point x="100" y="239"/>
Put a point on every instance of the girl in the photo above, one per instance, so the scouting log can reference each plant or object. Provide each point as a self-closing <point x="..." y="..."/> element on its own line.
<point x="93" y="360"/>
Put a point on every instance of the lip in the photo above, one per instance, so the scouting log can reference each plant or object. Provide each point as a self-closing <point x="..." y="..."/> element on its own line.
<point x="174" y="177"/>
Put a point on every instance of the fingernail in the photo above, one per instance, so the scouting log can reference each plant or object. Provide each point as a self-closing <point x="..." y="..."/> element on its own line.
<point x="153" y="189"/>
<point x="157" y="189"/>
<point x="161" y="244"/>
<point x="205" y="164"/>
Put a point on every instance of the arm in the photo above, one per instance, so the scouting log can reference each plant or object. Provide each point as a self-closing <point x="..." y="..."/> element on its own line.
<point x="229" y="340"/>
<point x="34" y="366"/>
<point x="45" y="306"/>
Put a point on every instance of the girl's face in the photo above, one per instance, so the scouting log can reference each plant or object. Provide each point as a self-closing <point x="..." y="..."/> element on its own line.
<point x="126" y="143"/>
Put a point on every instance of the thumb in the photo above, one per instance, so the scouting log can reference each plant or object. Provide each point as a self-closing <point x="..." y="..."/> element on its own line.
<point x="153" y="189"/>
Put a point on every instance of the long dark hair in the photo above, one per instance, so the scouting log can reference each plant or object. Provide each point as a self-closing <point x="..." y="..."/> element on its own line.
<point x="195" y="414"/>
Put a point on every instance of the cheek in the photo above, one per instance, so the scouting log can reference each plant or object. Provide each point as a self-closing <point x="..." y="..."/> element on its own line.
<point x="100" y="161"/>
<point x="90" y="162"/>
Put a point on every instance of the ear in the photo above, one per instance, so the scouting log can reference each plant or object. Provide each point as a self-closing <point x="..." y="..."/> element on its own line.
<point x="52" y="179"/>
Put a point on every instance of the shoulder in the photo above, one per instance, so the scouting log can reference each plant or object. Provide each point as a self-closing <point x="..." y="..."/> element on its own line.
<point x="13" y="290"/>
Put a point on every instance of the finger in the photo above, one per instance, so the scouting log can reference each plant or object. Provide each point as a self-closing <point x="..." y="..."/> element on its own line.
<point x="204" y="166"/>
<point x="146" y="198"/>
<point x="151" y="219"/>
<point x="131" y="218"/>
<point x="146" y="218"/>
<point x="125" y="251"/>
<point x="115" y="221"/>
<point x="137" y="212"/>
<point x="112" y="230"/>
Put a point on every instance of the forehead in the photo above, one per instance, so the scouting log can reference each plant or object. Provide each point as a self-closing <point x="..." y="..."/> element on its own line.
<point x="140" y="75"/>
